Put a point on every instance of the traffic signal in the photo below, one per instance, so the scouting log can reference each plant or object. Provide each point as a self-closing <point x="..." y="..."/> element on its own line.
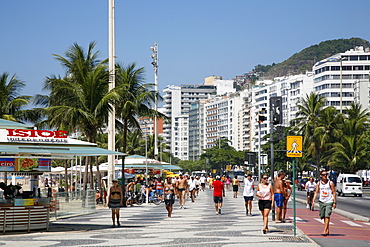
<point x="250" y="157"/>
<point x="276" y="108"/>
<point x="261" y="118"/>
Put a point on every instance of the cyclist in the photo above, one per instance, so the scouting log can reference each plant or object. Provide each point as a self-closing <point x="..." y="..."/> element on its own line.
<point x="310" y="188"/>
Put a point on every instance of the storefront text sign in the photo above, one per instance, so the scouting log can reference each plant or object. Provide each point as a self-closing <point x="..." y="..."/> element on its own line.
<point x="36" y="136"/>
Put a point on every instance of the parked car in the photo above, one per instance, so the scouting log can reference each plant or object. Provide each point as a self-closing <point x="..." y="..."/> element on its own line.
<point x="302" y="183"/>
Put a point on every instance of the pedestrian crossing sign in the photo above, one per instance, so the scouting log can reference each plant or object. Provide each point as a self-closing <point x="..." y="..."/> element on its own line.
<point x="294" y="146"/>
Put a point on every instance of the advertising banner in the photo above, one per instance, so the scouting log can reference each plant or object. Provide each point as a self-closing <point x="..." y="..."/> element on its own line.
<point x="7" y="164"/>
<point x="33" y="164"/>
<point x="44" y="165"/>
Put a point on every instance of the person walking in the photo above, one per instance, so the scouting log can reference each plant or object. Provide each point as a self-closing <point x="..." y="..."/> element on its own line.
<point x="218" y="194"/>
<point x="265" y="192"/>
<point x="279" y="194"/>
<point x="115" y="201"/>
<point x="193" y="184"/>
<point x="310" y="187"/>
<point x="169" y="195"/>
<point x="236" y="185"/>
<point x="248" y="193"/>
<point x="325" y="190"/>
<point x="203" y="182"/>
<point x="181" y="187"/>
<point x="288" y="192"/>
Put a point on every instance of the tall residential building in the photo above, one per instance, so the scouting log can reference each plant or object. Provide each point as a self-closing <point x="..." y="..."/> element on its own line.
<point x="344" y="78"/>
<point x="291" y="89"/>
<point x="177" y="104"/>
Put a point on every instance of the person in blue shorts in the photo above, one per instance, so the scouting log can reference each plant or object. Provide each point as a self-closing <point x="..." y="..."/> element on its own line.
<point x="279" y="195"/>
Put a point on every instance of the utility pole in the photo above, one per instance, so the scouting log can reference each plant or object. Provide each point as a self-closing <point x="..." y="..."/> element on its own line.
<point x="155" y="67"/>
<point x="112" y="114"/>
<point x="261" y="119"/>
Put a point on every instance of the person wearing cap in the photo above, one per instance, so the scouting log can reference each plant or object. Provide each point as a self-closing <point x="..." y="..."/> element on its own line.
<point x="248" y="193"/>
<point x="218" y="193"/>
<point x="115" y="201"/>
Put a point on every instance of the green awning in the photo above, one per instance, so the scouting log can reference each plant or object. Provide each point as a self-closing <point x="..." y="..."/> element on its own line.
<point x="5" y="124"/>
<point x="55" y="150"/>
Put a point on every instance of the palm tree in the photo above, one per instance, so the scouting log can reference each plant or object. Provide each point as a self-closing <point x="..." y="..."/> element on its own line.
<point x="11" y="102"/>
<point x="80" y="100"/>
<point x="308" y="119"/>
<point x="136" y="99"/>
<point x="350" y="155"/>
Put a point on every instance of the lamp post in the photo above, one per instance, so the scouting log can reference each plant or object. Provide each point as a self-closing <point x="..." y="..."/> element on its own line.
<point x="111" y="116"/>
<point x="340" y="83"/>
<point x="155" y="67"/>
<point x="146" y="168"/>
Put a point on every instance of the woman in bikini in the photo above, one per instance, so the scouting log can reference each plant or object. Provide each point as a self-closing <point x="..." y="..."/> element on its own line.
<point x="169" y="195"/>
<point x="115" y="200"/>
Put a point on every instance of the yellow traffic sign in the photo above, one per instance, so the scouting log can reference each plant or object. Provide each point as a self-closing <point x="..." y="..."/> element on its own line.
<point x="294" y="146"/>
<point x="228" y="167"/>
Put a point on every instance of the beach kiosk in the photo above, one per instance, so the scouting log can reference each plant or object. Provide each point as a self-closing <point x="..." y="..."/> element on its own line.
<point x="26" y="151"/>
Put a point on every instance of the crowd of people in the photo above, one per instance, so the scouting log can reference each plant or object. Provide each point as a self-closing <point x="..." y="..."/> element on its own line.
<point x="270" y="195"/>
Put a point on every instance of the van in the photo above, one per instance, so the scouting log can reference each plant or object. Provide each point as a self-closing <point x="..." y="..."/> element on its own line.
<point x="349" y="184"/>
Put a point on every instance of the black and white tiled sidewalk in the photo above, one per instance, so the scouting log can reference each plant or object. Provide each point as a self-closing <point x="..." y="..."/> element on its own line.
<point x="148" y="225"/>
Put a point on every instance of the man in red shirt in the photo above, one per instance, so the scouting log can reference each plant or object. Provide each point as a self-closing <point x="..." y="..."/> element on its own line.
<point x="218" y="193"/>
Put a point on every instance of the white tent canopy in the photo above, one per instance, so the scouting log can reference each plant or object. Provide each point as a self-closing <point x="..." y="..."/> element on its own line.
<point x="138" y="160"/>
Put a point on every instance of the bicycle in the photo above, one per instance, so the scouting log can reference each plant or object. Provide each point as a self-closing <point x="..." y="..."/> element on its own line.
<point x="132" y="198"/>
<point x="155" y="198"/>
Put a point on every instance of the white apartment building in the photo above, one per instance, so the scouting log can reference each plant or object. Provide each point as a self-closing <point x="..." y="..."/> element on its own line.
<point x="344" y="78"/>
<point x="177" y="103"/>
<point x="291" y="88"/>
<point x="221" y="119"/>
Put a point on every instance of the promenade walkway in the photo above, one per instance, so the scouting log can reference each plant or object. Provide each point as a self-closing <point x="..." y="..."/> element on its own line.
<point x="148" y="225"/>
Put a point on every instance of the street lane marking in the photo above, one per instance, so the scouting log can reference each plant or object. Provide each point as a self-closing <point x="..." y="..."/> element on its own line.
<point x="367" y="223"/>
<point x="298" y="219"/>
<point x="351" y="223"/>
<point x="322" y="221"/>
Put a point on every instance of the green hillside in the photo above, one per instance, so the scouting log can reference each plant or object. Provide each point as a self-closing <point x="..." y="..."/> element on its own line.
<point x="304" y="60"/>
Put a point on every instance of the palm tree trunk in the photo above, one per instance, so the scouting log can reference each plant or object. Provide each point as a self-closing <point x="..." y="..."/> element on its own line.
<point x="124" y="142"/>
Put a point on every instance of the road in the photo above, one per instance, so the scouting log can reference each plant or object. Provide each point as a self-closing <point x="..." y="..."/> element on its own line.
<point x="355" y="205"/>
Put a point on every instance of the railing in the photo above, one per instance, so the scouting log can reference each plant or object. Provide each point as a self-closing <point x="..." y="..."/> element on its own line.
<point x="68" y="204"/>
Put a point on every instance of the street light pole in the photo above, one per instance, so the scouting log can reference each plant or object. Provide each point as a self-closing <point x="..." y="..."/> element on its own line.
<point x="259" y="151"/>
<point x="155" y="67"/>
<point x="112" y="78"/>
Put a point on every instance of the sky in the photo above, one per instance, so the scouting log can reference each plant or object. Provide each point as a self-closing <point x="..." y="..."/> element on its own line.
<point x="196" y="38"/>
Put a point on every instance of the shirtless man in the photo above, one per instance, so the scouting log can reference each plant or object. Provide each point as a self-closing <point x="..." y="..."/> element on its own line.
<point x="279" y="194"/>
<point x="130" y="191"/>
<point x="181" y="186"/>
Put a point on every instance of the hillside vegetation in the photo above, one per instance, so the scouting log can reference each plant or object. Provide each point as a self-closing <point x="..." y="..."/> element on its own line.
<point x="304" y="60"/>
